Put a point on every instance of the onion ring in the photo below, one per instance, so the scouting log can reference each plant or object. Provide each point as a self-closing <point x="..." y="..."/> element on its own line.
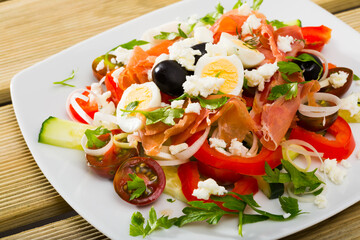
<point x="316" y="112"/>
<point x="190" y="151"/>
<point x="97" y="152"/>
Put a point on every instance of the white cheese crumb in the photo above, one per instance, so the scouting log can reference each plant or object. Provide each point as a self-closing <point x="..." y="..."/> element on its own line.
<point x="182" y="52"/>
<point x="223" y="151"/>
<point x="286" y="215"/>
<point x="284" y="43"/>
<point x="207" y="188"/>
<point x="100" y="65"/>
<point x="338" y="79"/>
<point x="162" y="104"/>
<point x="334" y="173"/>
<point x="195" y="85"/>
<point x="258" y="77"/>
<point x="217" y="143"/>
<point x="215" y="50"/>
<point x="122" y="55"/>
<point x="244" y="9"/>
<point x="252" y="22"/>
<point x="345" y="164"/>
<point x="350" y="103"/>
<point x="237" y="148"/>
<point x="203" y="34"/>
<point x="193" y="108"/>
<point x="177" y="103"/>
<point x="320" y="201"/>
<point x="115" y="74"/>
<point x="174" y="149"/>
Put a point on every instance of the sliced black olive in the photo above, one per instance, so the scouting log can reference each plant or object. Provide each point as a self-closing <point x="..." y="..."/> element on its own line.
<point x="341" y="90"/>
<point x="311" y="69"/>
<point x="201" y="48"/>
<point x="169" y="76"/>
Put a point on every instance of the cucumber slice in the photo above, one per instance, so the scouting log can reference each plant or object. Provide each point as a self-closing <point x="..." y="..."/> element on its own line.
<point x="271" y="190"/>
<point x="296" y="22"/>
<point x="62" y="133"/>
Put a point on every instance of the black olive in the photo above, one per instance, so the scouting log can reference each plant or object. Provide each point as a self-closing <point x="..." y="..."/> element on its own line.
<point x="201" y="48"/>
<point x="311" y="69"/>
<point x="169" y="76"/>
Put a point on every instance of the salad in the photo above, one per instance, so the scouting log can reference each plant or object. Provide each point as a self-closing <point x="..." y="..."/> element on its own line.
<point x="210" y="110"/>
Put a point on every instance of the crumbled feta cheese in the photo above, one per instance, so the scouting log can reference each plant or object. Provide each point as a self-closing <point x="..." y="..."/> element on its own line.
<point x="320" y="201"/>
<point x="193" y="108"/>
<point x="177" y="103"/>
<point x="195" y="85"/>
<point x="284" y="43"/>
<point x="182" y="52"/>
<point x="115" y="74"/>
<point x="215" y="50"/>
<point x="174" y="149"/>
<point x="207" y="188"/>
<point x="252" y="22"/>
<point x="350" y="103"/>
<point x="113" y="61"/>
<point x="334" y="173"/>
<point x="338" y="79"/>
<point x="217" y="143"/>
<point x="100" y="65"/>
<point x="223" y="151"/>
<point x="162" y="104"/>
<point x="101" y="99"/>
<point x="286" y="215"/>
<point x="122" y="55"/>
<point x="244" y="10"/>
<point x="258" y="77"/>
<point x="345" y="164"/>
<point x="237" y="148"/>
<point x="203" y="34"/>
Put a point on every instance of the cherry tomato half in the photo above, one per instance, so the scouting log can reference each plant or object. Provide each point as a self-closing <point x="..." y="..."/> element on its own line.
<point x="108" y="64"/>
<point x="107" y="165"/>
<point x="147" y="169"/>
<point x="341" y="90"/>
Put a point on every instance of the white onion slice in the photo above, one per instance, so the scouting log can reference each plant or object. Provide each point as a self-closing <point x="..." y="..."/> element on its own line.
<point x="254" y="147"/>
<point x="305" y="144"/>
<point x="172" y="162"/>
<point x="190" y="151"/>
<point x="164" y="156"/>
<point x="71" y="100"/>
<point x="96" y="152"/>
<point x="316" y="112"/>
<point x="319" y="54"/>
<point x="301" y="150"/>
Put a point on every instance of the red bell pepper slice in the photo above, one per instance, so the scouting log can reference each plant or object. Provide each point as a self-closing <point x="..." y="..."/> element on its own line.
<point x="246" y="166"/>
<point x="189" y="177"/>
<point x="340" y="148"/>
<point x="89" y="107"/>
<point x="316" y="37"/>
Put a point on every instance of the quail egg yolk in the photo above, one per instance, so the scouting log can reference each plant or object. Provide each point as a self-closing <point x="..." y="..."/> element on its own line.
<point x="142" y="94"/>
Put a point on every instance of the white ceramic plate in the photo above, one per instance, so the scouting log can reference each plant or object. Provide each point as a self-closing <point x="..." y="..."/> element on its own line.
<point x="35" y="98"/>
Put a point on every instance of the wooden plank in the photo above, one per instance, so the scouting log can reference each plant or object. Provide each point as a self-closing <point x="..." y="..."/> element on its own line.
<point x="48" y="27"/>
<point x="71" y="228"/>
<point x="26" y="195"/>
<point x="351" y="17"/>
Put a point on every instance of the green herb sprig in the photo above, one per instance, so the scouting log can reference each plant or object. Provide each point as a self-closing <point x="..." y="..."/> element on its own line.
<point x="92" y="137"/>
<point x="63" y="82"/>
<point x="136" y="183"/>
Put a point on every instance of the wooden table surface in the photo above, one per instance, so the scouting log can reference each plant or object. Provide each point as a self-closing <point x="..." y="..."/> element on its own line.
<point x="32" y="30"/>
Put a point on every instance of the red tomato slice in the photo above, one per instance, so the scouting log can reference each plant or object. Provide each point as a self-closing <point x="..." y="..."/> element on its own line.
<point x="316" y="37"/>
<point x="247" y="166"/>
<point x="189" y="177"/>
<point x="222" y="176"/>
<point x="116" y="91"/>
<point x="246" y="185"/>
<point x="89" y="107"/>
<point x="340" y="148"/>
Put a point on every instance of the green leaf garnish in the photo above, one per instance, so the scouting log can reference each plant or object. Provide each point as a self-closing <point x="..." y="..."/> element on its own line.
<point x="256" y="4"/>
<point x="218" y="74"/>
<point x="205" y="103"/>
<point x="181" y="32"/>
<point x="130" y="107"/>
<point x="301" y="180"/>
<point x="63" y="82"/>
<point x="288" y="67"/>
<point x="170" y="200"/>
<point x="289" y="90"/>
<point x="211" y="18"/>
<point x="92" y="137"/>
<point x="136" y="183"/>
<point x="165" y="115"/>
<point x="276" y="23"/>
<point x="307" y="58"/>
<point x="219" y="9"/>
<point x="131" y="44"/>
<point x="238" y="4"/>
<point x="356" y="78"/>
<point x="153" y="223"/>
<point x="171" y="35"/>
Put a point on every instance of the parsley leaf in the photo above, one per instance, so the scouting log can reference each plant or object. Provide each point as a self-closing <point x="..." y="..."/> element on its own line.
<point x="63" y="82"/>
<point x="212" y="103"/>
<point x="211" y="18"/>
<point x="136" y="183"/>
<point x="92" y="137"/>
<point x="290" y="205"/>
<point x="256" y="4"/>
<point x="307" y="58"/>
<point x="130" y="107"/>
<point x="288" y="67"/>
<point x="301" y="180"/>
<point x="170" y="200"/>
<point x="356" y="78"/>
<point x="165" y="115"/>
<point x="181" y="32"/>
<point x="289" y="90"/>
<point x="171" y="35"/>
<point x="276" y="23"/>
<point x="153" y="223"/>
<point x="131" y="44"/>
<point x="238" y="4"/>
<point x="219" y="9"/>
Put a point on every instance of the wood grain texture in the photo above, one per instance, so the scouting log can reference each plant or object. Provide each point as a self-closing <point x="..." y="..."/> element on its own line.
<point x="25" y="194"/>
<point x="47" y="27"/>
